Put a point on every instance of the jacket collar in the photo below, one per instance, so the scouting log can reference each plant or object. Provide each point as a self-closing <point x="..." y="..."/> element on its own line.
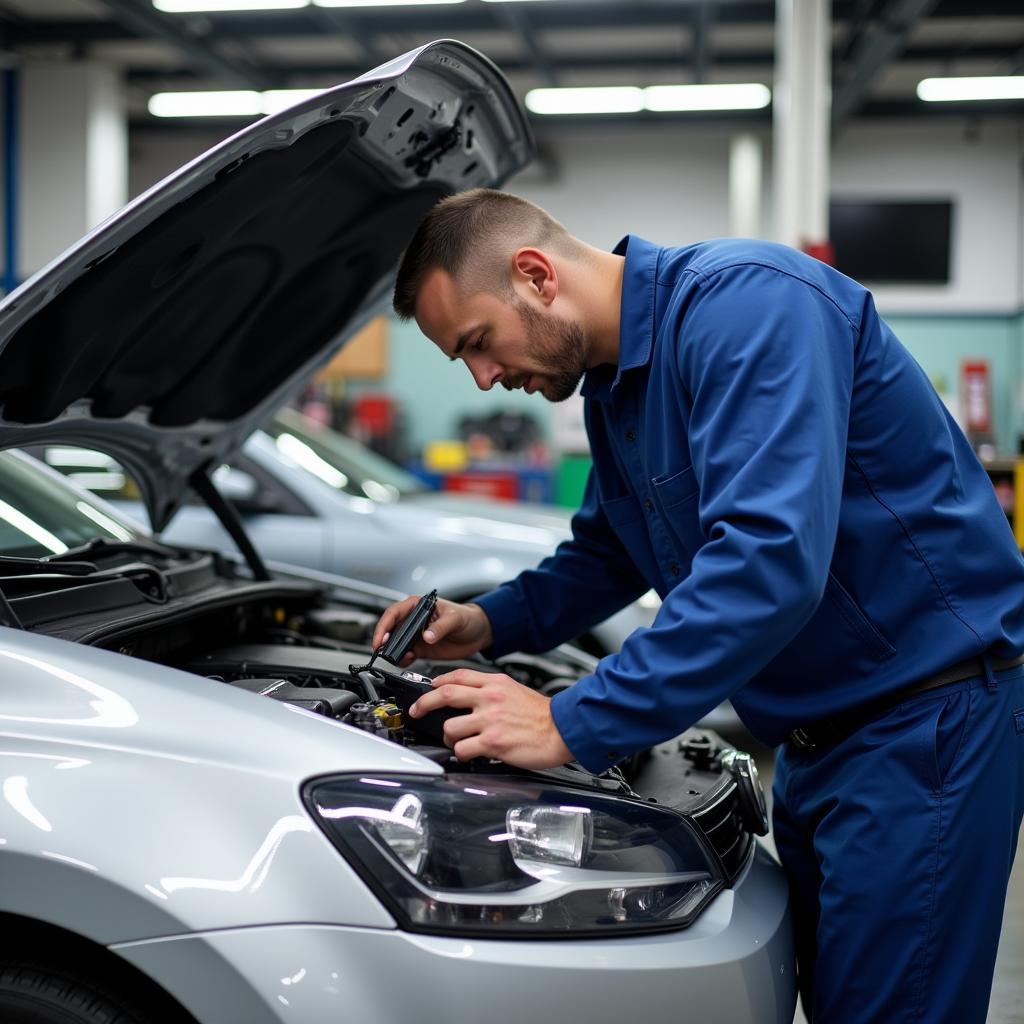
<point x="636" y="318"/>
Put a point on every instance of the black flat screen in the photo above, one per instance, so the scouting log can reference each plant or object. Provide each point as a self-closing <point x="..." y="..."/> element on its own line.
<point x="892" y="242"/>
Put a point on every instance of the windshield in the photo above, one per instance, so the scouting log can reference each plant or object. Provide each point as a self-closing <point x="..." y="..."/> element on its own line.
<point x="40" y="515"/>
<point x="338" y="460"/>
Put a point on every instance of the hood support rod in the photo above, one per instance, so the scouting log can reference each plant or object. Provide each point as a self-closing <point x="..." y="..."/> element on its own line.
<point x="228" y="515"/>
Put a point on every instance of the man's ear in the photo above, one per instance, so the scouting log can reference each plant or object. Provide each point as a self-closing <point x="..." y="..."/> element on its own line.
<point x="533" y="268"/>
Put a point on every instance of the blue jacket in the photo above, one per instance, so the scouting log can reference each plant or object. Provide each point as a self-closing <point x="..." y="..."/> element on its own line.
<point x="771" y="460"/>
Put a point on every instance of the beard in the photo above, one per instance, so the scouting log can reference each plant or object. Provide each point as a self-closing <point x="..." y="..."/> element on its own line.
<point x="557" y="344"/>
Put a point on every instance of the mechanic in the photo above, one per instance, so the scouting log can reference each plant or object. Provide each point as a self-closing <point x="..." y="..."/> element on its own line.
<point x="829" y="553"/>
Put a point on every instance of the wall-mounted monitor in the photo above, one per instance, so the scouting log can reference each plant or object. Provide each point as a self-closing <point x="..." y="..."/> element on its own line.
<point x="892" y="242"/>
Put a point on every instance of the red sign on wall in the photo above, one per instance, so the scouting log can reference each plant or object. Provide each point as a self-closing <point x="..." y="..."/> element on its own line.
<point x="976" y="396"/>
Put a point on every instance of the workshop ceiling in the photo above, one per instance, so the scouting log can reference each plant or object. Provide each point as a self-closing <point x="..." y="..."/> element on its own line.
<point x="881" y="48"/>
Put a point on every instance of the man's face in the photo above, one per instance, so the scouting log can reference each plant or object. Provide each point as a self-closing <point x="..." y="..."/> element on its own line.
<point x="511" y="343"/>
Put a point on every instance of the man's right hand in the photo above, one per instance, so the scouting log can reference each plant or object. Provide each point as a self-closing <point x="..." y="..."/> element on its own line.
<point x="454" y="631"/>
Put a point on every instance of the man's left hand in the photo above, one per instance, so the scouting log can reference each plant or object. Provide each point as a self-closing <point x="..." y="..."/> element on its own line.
<point x="507" y="720"/>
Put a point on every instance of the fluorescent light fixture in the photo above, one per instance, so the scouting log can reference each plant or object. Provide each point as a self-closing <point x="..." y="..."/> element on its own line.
<point x="997" y="87"/>
<point x="629" y="99"/>
<point x="384" y="3"/>
<point x="745" y="96"/>
<point x="226" y="103"/>
<point x="605" y="99"/>
<point x="193" y="6"/>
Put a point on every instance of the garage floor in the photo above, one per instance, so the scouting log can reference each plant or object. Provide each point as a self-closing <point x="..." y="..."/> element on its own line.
<point x="1007" y="1005"/>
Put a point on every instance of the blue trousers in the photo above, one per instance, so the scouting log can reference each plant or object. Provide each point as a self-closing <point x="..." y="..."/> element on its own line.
<point x="898" y="844"/>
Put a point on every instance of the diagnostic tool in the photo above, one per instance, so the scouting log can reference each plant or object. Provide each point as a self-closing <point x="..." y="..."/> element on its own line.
<point x="404" y="636"/>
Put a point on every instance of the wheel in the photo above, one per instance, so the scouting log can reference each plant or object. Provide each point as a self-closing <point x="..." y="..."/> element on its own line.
<point x="36" y="993"/>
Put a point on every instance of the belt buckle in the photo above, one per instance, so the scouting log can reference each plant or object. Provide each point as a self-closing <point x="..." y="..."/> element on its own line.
<point x="802" y="740"/>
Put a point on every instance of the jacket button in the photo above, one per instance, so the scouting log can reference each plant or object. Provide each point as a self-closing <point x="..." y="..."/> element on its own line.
<point x="649" y="505"/>
<point x="674" y="569"/>
<point x="631" y="436"/>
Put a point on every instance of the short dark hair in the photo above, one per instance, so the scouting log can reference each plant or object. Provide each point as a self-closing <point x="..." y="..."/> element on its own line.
<point x="484" y="224"/>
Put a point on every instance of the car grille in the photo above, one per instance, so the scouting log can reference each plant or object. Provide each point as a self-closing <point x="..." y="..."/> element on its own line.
<point x="720" y="821"/>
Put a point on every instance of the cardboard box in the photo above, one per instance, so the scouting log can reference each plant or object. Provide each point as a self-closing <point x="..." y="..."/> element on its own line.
<point x="364" y="357"/>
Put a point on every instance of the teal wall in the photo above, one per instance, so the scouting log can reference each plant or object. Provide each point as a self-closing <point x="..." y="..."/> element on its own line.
<point x="940" y="342"/>
<point x="436" y="393"/>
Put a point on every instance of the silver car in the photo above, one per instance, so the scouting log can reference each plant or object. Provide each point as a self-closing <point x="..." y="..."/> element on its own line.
<point x="215" y="808"/>
<point x="310" y="496"/>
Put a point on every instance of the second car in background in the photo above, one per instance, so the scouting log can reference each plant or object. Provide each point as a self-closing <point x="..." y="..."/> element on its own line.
<point x="313" y="497"/>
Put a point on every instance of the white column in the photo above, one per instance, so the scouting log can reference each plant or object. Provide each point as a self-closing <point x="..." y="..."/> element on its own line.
<point x="802" y="100"/>
<point x="72" y="155"/>
<point x="745" y="185"/>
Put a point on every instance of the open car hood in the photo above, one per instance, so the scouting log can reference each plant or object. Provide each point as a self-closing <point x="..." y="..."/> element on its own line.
<point x="166" y="335"/>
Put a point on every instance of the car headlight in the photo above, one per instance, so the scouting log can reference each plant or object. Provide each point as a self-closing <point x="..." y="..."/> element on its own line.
<point x="463" y="854"/>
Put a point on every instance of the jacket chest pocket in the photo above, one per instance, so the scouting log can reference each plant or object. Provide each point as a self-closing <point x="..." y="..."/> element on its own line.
<point x="677" y="497"/>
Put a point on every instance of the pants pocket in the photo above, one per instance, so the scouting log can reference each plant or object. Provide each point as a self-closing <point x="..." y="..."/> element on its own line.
<point x="946" y="735"/>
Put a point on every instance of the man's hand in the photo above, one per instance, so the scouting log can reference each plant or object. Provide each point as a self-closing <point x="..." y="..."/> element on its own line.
<point x="454" y="631"/>
<point x="507" y="720"/>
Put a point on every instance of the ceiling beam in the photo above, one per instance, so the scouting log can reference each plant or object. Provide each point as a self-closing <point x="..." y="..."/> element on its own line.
<point x="143" y="20"/>
<point x="883" y="38"/>
<point x="514" y="17"/>
<point x="338" y="21"/>
<point x="455" y="20"/>
<point x="620" y="60"/>
<point x="434" y="22"/>
<point x="702" y="20"/>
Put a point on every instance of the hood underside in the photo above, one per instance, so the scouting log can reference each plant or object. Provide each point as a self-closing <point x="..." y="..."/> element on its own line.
<point x="167" y="334"/>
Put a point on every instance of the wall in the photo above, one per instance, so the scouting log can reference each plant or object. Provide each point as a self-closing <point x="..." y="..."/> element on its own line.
<point x="980" y="169"/>
<point x="940" y="341"/>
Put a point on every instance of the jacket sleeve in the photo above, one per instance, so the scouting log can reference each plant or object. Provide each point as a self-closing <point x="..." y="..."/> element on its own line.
<point x="766" y="361"/>
<point x="588" y="578"/>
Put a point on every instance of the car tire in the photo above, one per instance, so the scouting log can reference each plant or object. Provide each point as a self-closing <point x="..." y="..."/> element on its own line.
<point x="37" y="993"/>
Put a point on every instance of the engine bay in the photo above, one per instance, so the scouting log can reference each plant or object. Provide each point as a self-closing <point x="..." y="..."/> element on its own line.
<point x="313" y="654"/>
<point x="310" y="645"/>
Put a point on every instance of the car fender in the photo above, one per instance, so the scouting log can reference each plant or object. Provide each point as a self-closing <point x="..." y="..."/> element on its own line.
<point x="142" y="801"/>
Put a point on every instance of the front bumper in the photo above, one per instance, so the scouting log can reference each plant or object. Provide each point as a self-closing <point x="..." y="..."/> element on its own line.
<point x="735" y="963"/>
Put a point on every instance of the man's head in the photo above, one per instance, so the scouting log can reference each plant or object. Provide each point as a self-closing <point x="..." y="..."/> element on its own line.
<point x="481" y="278"/>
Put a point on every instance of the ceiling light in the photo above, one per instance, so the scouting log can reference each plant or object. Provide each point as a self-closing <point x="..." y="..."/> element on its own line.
<point x="612" y="99"/>
<point x="238" y="103"/>
<point x="630" y="99"/>
<point x="383" y="3"/>
<point x="746" y="96"/>
<point x="999" y="87"/>
<point x="226" y="103"/>
<point x="193" y="6"/>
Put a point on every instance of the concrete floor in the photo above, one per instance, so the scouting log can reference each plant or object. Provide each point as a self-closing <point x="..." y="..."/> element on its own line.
<point x="1007" y="1004"/>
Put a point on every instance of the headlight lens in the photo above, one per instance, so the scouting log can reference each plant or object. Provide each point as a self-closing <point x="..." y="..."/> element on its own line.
<point x="464" y="854"/>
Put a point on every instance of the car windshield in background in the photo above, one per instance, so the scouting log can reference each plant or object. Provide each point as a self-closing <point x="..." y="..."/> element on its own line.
<point x="40" y="516"/>
<point x="338" y="460"/>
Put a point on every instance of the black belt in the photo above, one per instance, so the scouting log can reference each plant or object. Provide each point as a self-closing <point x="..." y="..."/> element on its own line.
<point x="832" y="730"/>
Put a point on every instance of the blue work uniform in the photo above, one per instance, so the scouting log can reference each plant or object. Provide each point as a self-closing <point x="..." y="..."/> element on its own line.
<point x="771" y="460"/>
